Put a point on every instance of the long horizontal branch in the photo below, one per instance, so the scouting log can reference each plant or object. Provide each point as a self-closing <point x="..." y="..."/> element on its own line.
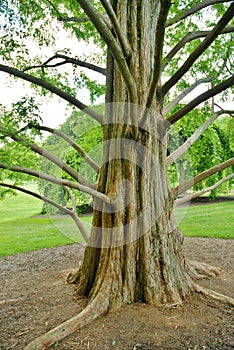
<point x="193" y="138"/>
<point x="228" y="15"/>
<point x="67" y="211"/>
<point x="79" y="149"/>
<point x="192" y="36"/>
<point x="36" y="195"/>
<point x="201" y="98"/>
<point x="205" y="190"/>
<point x="173" y="103"/>
<point x="70" y="60"/>
<point x="48" y="155"/>
<point x="192" y="10"/>
<point x="57" y="181"/>
<point x="65" y="96"/>
<point x="112" y="44"/>
<point x="74" y="19"/>
<point x="190" y="183"/>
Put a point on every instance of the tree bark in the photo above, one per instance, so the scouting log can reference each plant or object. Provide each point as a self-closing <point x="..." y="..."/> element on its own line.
<point x="135" y="249"/>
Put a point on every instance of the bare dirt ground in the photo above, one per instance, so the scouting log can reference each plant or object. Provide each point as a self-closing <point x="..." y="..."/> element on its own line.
<point x="34" y="298"/>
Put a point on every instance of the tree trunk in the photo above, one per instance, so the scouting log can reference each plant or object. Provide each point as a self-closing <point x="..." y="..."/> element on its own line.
<point x="135" y="249"/>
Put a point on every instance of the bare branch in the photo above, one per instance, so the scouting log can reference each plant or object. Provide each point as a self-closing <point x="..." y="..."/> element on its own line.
<point x="67" y="211"/>
<point x="76" y="218"/>
<point x="114" y="20"/>
<point x="58" y="181"/>
<point x="171" y="105"/>
<point x="199" y="50"/>
<point x="71" y="142"/>
<point x="116" y="50"/>
<point x="74" y="19"/>
<point x="190" y="141"/>
<point x="199" y="99"/>
<point x="36" y="195"/>
<point x="199" y="193"/>
<point x="190" y="183"/>
<point x="192" y="36"/>
<point x="48" y="155"/>
<point x="70" y="60"/>
<point x="192" y="10"/>
<point x="15" y="72"/>
<point x="67" y="19"/>
<point x="159" y="40"/>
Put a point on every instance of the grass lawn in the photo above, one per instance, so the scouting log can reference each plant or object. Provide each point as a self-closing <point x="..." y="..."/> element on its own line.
<point x="21" y="232"/>
<point x="212" y="220"/>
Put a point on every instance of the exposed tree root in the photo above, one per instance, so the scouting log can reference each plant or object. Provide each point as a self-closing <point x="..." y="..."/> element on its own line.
<point x="97" y="307"/>
<point x="213" y="294"/>
<point x="200" y="270"/>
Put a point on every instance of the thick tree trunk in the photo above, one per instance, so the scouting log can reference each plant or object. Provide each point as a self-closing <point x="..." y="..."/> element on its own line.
<point x="135" y="249"/>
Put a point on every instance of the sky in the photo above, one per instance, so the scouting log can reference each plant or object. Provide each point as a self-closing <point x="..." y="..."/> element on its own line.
<point x="54" y="110"/>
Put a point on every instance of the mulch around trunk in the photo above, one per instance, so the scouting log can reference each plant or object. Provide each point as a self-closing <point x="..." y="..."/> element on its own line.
<point x="34" y="298"/>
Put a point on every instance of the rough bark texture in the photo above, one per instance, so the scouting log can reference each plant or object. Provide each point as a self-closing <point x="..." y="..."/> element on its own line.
<point x="135" y="249"/>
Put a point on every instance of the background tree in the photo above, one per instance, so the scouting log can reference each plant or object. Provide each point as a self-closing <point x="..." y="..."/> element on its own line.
<point x="134" y="251"/>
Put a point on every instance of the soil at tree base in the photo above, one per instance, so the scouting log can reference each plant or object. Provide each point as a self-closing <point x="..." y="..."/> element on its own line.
<point x="34" y="298"/>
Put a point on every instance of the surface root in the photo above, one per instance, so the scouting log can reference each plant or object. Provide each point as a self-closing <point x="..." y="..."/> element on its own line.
<point x="200" y="270"/>
<point x="213" y="294"/>
<point x="97" y="307"/>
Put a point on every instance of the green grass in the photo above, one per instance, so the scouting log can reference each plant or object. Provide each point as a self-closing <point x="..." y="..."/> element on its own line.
<point x="21" y="232"/>
<point x="213" y="220"/>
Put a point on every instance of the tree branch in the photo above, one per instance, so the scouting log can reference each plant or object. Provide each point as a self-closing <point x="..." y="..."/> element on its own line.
<point x="71" y="142"/>
<point x="114" y="20"/>
<point x="190" y="141"/>
<point x="190" y="183"/>
<point x="159" y="40"/>
<point x="228" y="15"/>
<point x="36" y="195"/>
<point x="15" y="72"/>
<point x="199" y="99"/>
<point x="192" y="36"/>
<point x="76" y="218"/>
<point x="67" y="211"/>
<point x="192" y="10"/>
<point x="74" y="19"/>
<point x="58" y="181"/>
<point x="68" y="59"/>
<point x="171" y="105"/>
<point x="116" y="50"/>
<point x="48" y="155"/>
<point x="67" y="19"/>
<point x="199" y="193"/>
